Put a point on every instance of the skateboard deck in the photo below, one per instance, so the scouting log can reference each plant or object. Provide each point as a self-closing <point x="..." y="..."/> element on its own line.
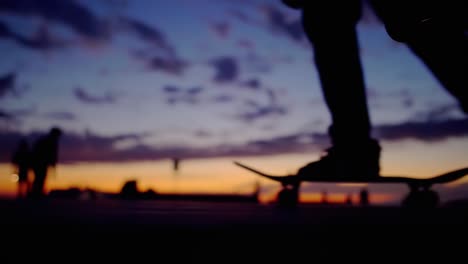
<point x="437" y="179"/>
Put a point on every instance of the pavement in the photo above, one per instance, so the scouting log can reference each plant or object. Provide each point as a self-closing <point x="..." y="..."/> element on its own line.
<point x="207" y="229"/>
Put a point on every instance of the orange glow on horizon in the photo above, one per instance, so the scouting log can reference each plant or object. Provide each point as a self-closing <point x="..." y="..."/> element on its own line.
<point x="220" y="175"/>
<point x="340" y="198"/>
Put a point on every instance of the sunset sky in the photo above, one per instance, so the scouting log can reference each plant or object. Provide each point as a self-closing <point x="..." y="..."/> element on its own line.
<point x="135" y="83"/>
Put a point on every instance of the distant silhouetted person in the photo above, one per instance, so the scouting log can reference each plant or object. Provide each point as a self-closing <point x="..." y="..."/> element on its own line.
<point x="21" y="160"/>
<point x="44" y="156"/>
<point x="349" y="200"/>
<point x="364" y="197"/>
<point x="175" y="163"/>
<point x="435" y="33"/>
<point x="324" y="198"/>
<point x="130" y="190"/>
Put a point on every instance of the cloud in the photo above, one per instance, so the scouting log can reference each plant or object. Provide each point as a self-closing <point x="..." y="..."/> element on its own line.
<point x="173" y="66"/>
<point x="293" y="143"/>
<point x="256" y="63"/>
<point x="171" y="89"/>
<point x="7" y="84"/>
<point x="162" y="55"/>
<point x="69" y="13"/>
<point x="42" y="40"/>
<point x="262" y="112"/>
<point x="221" y="29"/>
<point x="436" y="113"/>
<point x="76" y="147"/>
<point x="5" y="32"/>
<point x="16" y="115"/>
<point x="149" y="34"/>
<point x="202" y="134"/>
<point x="195" y="90"/>
<point x="223" y="98"/>
<point x="310" y="141"/>
<point x="407" y="102"/>
<point x="427" y="131"/>
<point x="23" y="112"/>
<point x="258" y="111"/>
<point x="242" y="16"/>
<point x="253" y="84"/>
<point x="278" y="22"/>
<point x="441" y="112"/>
<point x="61" y="116"/>
<point x="246" y="44"/>
<point x="91" y="147"/>
<point x="227" y="69"/>
<point x="84" y="97"/>
<point x="175" y="95"/>
<point x="167" y="62"/>
<point x="275" y="20"/>
<point x="5" y="115"/>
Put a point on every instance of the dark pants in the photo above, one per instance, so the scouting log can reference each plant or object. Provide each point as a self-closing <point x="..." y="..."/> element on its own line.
<point x="435" y="32"/>
<point x="331" y="30"/>
<point x="331" y="27"/>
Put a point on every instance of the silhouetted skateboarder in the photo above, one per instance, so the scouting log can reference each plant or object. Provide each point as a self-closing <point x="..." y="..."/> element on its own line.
<point x="44" y="154"/>
<point x="434" y="33"/>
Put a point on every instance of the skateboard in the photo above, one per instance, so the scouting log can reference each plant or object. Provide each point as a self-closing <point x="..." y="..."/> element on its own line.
<point x="420" y="194"/>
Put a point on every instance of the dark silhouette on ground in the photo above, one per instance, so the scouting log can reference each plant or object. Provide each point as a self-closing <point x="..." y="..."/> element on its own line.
<point x="21" y="161"/>
<point x="130" y="191"/>
<point x="73" y="193"/>
<point x="324" y="199"/>
<point x="349" y="199"/>
<point x="435" y="32"/>
<point x="115" y="231"/>
<point x="175" y="164"/>
<point x="462" y="203"/>
<point x="421" y="197"/>
<point x="288" y="196"/>
<point x="364" y="197"/>
<point x="44" y="156"/>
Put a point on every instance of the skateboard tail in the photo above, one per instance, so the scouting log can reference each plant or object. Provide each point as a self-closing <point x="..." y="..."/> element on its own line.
<point x="282" y="179"/>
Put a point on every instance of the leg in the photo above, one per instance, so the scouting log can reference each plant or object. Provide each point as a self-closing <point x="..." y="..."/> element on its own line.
<point x="37" y="189"/>
<point x="332" y="32"/>
<point x="445" y="53"/>
<point x="435" y="33"/>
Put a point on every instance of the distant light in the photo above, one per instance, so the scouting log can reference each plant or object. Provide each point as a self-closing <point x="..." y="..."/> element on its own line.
<point x="14" y="178"/>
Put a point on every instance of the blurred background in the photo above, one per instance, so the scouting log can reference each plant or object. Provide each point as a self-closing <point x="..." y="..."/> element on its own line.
<point x="169" y="93"/>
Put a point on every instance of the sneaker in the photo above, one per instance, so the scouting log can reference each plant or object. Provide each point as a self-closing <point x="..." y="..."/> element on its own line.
<point x="360" y="162"/>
